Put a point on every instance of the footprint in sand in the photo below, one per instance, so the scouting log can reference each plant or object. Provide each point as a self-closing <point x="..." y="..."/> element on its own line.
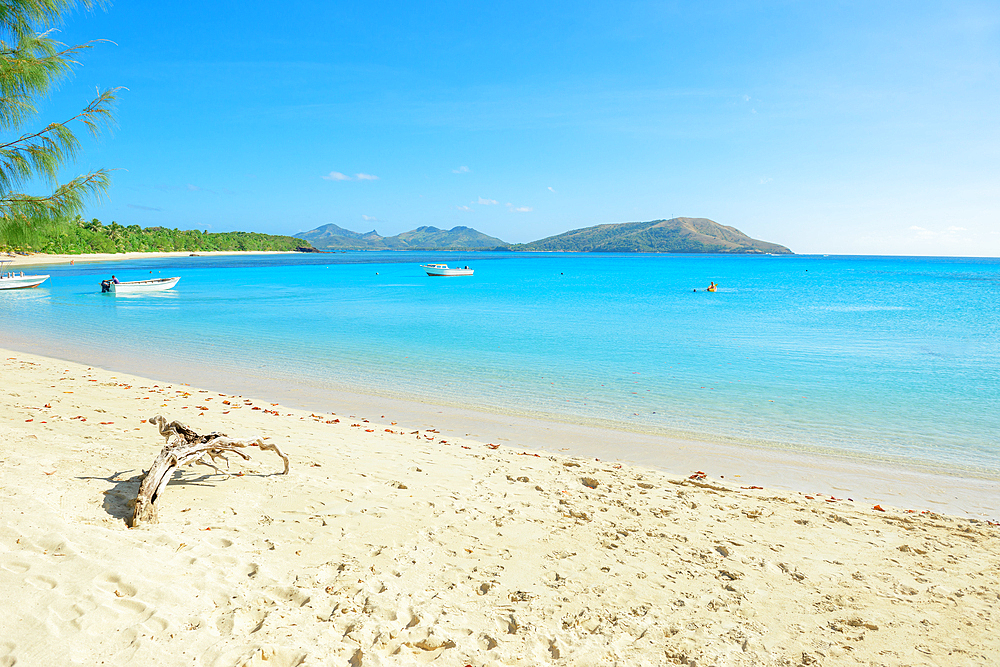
<point x="113" y="583"/>
<point x="155" y="624"/>
<point x="55" y="543"/>
<point x="240" y="621"/>
<point x="42" y="583"/>
<point x="134" y="606"/>
<point x="17" y="567"/>
<point x="262" y="656"/>
<point x="289" y="594"/>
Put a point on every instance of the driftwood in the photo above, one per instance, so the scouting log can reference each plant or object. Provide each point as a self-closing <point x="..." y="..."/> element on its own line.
<point x="185" y="446"/>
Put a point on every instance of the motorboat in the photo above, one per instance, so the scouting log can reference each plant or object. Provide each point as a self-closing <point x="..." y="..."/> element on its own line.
<point x="135" y="286"/>
<point x="14" y="280"/>
<point x="443" y="270"/>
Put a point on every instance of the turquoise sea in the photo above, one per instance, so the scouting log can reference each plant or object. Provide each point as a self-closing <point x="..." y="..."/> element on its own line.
<point x="887" y="358"/>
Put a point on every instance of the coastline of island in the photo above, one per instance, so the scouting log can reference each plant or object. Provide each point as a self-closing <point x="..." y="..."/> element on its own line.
<point x="43" y="259"/>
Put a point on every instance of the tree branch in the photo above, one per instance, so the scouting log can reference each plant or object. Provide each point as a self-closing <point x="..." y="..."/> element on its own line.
<point x="185" y="446"/>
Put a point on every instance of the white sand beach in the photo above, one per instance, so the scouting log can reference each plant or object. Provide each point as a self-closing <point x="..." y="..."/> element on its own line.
<point x="42" y="259"/>
<point x="388" y="545"/>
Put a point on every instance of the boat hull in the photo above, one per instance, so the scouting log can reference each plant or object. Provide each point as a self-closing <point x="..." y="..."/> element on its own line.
<point x="136" y="286"/>
<point x="22" y="282"/>
<point x="443" y="270"/>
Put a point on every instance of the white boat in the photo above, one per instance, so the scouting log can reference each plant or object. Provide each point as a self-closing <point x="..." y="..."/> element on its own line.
<point x="14" y="280"/>
<point x="443" y="270"/>
<point x="132" y="286"/>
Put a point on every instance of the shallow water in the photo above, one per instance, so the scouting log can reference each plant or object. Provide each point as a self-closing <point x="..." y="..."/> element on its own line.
<point x="869" y="357"/>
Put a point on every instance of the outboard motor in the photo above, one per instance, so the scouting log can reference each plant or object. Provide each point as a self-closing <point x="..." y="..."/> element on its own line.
<point x="105" y="285"/>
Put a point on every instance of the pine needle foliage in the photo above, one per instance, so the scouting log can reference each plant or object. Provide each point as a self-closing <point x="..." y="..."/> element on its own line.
<point x="31" y="63"/>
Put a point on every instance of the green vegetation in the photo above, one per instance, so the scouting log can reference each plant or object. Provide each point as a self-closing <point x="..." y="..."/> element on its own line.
<point x="73" y="237"/>
<point x="31" y="62"/>
<point x="676" y="235"/>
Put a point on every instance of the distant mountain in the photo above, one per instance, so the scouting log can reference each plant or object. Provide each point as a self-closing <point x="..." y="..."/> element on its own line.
<point x="675" y="235"/>
<point x="332" y="237"/>
<point x="456" y="238"/>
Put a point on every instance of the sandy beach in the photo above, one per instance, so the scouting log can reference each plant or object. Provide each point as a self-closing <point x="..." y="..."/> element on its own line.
<point x="42" y="259"/>
<point x="386" y="545"/>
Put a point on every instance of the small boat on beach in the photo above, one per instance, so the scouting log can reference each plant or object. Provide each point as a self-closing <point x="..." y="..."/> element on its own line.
<point x="134" y="286"/>
<point x="13" y="280"/>
<point x="443" y="270"/>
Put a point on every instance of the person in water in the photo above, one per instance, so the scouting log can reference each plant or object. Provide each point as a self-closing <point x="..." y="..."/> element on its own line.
<point x="712" y="287"/>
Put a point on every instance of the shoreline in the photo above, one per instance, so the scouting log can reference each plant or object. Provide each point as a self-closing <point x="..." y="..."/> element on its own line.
<point x="916" y="486"/>
<point x="42" y="259"/>
<point x="388" y="545"/>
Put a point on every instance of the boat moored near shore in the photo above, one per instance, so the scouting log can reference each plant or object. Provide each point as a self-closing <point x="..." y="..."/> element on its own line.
<point x="12" y="280"/>
<point x="134" y="286"/>
<point x="443" y="270"/>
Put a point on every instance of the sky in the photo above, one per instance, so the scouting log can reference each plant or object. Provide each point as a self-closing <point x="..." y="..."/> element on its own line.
<point x="828" y="127"/>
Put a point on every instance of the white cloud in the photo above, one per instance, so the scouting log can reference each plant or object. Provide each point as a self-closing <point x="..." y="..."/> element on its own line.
<point x="551" y="189"/>
<point x="461" y="170"/>
<point x="949" y="233"/>
<point x="463" y="208"/>
<point x="766" y="180"/>
<point x="370" y="218"/>
<point x="337" y="176"/>
<point x="923" y="232"/>
<point x="486" y="202"/>
<point x="518" y="209"/>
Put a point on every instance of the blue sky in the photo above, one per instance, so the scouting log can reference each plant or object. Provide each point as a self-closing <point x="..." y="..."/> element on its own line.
<point x="834" y="127"/>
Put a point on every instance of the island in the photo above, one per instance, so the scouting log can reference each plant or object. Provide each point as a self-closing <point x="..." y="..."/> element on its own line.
<point x="676" y="235"/>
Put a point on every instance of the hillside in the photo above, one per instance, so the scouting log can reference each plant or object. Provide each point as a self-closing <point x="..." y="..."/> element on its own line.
<point x="675" y="235"/>
<point x="695" y="235"/>
<point x="332" y="237"/>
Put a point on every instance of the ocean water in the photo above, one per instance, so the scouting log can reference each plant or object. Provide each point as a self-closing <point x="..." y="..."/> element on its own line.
<point x="882" y="358"/>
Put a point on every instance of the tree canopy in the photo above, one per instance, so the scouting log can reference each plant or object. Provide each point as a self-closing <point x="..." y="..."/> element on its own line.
<point x="31" y="63"/>
<point x="73" y="237"/>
